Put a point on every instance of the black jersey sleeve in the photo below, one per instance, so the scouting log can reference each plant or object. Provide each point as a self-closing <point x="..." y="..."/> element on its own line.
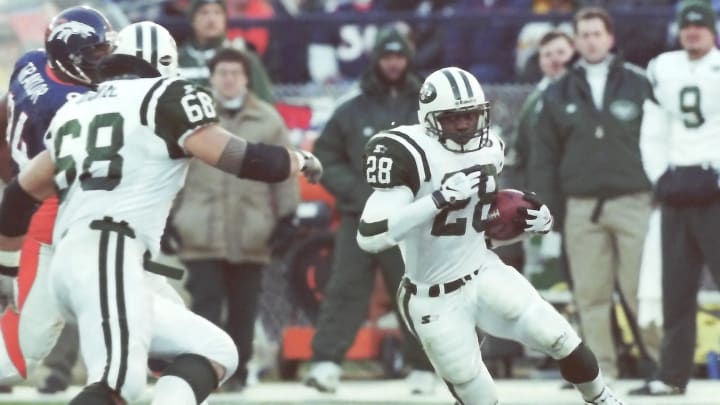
<point x="389" y="162"/>
<point x="180" y="108"/>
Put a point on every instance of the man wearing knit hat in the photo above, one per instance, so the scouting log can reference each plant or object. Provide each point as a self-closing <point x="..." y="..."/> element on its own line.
<point x="681" y="156"/>
<point x="697" y="12"/>
<point x="387" y="96"/>
<point x="208" y="19"/>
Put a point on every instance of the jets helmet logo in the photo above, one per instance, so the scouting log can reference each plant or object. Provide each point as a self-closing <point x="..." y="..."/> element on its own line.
<point x="427" y="93"/>
<point x="64" y="31"/>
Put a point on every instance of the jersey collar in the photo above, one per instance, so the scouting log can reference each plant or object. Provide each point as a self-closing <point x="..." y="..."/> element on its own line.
<point x="51" y="74"/>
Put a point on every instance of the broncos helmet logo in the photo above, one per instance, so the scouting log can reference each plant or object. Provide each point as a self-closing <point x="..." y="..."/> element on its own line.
<point x="65" y="30"/>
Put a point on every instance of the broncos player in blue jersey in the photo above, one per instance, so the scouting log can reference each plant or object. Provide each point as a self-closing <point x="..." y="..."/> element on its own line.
<point x="42" y="81"/>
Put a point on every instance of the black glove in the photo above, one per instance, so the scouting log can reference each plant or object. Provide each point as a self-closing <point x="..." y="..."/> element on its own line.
<point x="170" y="242"/>
<point x="283" y="234"/>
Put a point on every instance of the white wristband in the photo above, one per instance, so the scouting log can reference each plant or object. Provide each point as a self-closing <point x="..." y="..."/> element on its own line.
<point x="10" y="258"/>
<point x="301" y="159"/>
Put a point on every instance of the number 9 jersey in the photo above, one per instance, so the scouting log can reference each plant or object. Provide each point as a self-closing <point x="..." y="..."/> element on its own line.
<point x="452" y="244"/>
<point x="687" y="91"/>
<point x="119" y="152"/>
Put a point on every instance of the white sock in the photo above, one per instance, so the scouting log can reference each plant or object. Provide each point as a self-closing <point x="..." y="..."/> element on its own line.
<point x="170" y="389"/>
<point x="591" y="389"/>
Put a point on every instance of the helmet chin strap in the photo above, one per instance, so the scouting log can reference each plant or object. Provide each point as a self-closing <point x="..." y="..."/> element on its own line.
<point x="82" y="77"/>
<point x="471" y="145"/>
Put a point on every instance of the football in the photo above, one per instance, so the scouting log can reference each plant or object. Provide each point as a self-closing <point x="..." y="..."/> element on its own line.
<point x="504" y="222"/>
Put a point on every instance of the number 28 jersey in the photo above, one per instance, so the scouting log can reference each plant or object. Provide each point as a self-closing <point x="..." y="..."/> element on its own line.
<point x="451" y="244"/>
<point x="119" y="153"/>
<point x="688" y="90"/>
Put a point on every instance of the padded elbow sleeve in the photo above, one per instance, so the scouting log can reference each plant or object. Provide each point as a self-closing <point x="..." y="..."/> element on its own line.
<point x="16" y="211"/>
<point x="267" y="163"/>
<point x="373" y="237"/>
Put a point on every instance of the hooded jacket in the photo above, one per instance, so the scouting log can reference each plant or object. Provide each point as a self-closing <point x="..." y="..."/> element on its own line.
<point x="376" y="107"/>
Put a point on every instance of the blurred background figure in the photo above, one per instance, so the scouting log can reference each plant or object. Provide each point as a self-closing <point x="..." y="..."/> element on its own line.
<point x="681" y="155"/>
<point x="208" y="20"/>
<point x="225" y="224"/>
<point x="585" y="161"/>
<point x="527" y="68"/>
<point x="387" y="98"/>
<point x="555" y="51"/>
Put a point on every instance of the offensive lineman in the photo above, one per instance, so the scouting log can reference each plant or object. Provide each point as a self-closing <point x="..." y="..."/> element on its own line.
<point x="433" y="184"/>
<point x="41" y="82"/>
<point x="117" y="157"/>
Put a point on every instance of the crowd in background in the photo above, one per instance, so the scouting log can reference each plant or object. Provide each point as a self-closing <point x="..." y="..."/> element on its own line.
<point x="326" y="41"/>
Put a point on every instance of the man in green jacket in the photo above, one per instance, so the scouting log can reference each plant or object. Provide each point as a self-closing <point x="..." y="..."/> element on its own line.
<point x="387" y="97"/>
<point x="208" y="19"/>
<point x="586" y="157"/>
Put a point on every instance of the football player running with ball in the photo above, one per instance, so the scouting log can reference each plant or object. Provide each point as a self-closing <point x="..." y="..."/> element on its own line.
<point x="434" y="184"/>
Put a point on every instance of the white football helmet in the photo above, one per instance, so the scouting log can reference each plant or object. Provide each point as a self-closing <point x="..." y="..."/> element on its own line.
<point x="151" y="42"/>
<point x="453" y="90"/>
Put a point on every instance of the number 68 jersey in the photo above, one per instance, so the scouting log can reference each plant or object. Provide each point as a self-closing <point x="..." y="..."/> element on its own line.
<point x="118" y="152"/>
<point x="451" y="244"/>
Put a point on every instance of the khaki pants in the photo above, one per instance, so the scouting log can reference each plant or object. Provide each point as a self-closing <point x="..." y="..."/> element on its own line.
<point x="603" y="253"/>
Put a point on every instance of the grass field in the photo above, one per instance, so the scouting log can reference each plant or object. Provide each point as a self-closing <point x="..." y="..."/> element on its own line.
<point x="394" y="392"/>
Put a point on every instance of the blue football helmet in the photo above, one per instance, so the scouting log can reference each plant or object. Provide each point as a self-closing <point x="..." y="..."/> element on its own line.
<point x="76" y="40"/>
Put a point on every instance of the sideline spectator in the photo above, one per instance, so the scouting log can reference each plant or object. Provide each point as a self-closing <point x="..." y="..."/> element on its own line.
<point x="208" y="19"/>
<point x="555" y="51"/>
<point x="586" y="157"/>
<point x="388" y="97"/>
<point x="225" y="224"/>
<point x="527" y="68"/>
<point x="681" y="155"/>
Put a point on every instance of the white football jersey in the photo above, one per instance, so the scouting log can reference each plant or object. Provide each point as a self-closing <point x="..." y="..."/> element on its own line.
<point x="688" y="91"/>
<point x="452" y="244"/>
<point x="119" y="152"/>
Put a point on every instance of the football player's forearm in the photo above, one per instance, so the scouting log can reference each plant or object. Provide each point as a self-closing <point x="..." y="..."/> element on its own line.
<point x="256" y="161"/>
<point x="381" y="228"/>
<point x="494" y="243"/>
<point x="38" y="177"/>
